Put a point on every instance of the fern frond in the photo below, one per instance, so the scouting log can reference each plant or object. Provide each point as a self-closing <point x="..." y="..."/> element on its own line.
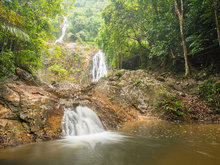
<point x="15" y="32"/>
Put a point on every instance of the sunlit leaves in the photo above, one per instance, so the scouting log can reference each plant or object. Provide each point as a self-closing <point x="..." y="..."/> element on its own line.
<point x="28" y="20"/>
<point x="128" y="24"/>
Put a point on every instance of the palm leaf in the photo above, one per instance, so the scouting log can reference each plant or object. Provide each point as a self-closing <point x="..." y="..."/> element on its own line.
<point x="12" y="22"/>
<point x="15" y="32"/>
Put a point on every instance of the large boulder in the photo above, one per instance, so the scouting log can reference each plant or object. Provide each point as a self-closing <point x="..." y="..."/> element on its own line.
<point x="137" y="88"/>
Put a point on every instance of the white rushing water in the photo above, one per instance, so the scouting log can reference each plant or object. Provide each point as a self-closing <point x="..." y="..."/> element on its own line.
<point x="99" y="68"/>
<point x="82" y="127"/>
<point x="82" y="121"/>
<point x="65" y="25"/>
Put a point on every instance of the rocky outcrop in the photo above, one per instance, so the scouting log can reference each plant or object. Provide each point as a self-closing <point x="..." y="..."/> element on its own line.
<point x="137" y="94"/>
<point x="28" y="112"/>
<point x="138" y="88"/>
<point x="67" y="62"/>
<point x="31" y="111"/>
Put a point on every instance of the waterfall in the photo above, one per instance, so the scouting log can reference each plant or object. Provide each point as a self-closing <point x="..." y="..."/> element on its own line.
<point x="99" y="68"/>
<point x="82" y="127"/>
<point x="65" y="25"/>
<point x="81" y="121"/>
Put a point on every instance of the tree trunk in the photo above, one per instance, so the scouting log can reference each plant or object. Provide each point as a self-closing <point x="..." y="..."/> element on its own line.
<point x="11" y="43"/>
<point x="120" y="61"/>
<point x="180" y="15"/>
<point x="216" y="20"/>
<point x="3" y="45"/>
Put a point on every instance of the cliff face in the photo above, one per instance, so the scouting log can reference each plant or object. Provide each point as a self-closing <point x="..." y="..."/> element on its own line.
<point x="67" y="62"/>
<point x="28" y="112"/>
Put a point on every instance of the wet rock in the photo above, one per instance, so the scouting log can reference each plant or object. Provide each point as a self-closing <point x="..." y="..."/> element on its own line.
<point x="15" y="133"/>
<point x="137" y="88"/>
<point x="9" y="95"/>
<point x="6" y="113"/>
<point x="27" y="77"/>
<point x="177" y="87"/>
<point x="29" y="112"/>
<point x="160" y="79"/>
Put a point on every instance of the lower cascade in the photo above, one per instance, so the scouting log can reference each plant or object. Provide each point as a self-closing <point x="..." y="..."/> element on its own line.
<point x="81" y="121"/>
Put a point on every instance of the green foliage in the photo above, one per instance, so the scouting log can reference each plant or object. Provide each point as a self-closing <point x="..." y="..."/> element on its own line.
<point x="118" y="73"/>
<point x="58" y="70"/>
<point x="58" y="52"/>
<point x="210" y="92"/>
<point x="29" y="60"/>
<point x="76" y="57"/>
<point x="86" y="20"/>
<point x="120" y="84"/>
<point x="171" y="107"/>
<point x="150" y="30"/>
<point x="109" y="74"/>
<point x="137" y="82"/>
<point x="25" y="25"/>
<point x="110" y="98"/>
<point x="6" y="64"/>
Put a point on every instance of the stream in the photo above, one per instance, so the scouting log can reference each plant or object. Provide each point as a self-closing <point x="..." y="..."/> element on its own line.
<point x="139" y="143"/>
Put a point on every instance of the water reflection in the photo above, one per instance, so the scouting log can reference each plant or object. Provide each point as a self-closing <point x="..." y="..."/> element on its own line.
<point x="145" y="143"/>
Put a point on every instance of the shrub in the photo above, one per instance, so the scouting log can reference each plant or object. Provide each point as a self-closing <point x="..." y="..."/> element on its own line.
<point x="58" y="70"/>
<point x="210" y="92"/>
<point x="118" y="73"/>
<point x="137" y="82"/>
<point x="7" y="65"/>
<point x="171" y="107"/>
<point x="58" y="52"/>
<point x="29" y="60"/>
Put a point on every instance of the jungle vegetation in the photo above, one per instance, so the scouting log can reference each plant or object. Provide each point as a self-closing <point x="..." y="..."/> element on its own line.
<point x="25" y="28"/>
<point x="158" y="30"/>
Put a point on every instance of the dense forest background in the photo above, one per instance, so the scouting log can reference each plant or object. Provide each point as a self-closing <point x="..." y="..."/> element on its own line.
<point x="25" y="28"/>
<point x="166" y="34"/>
<point x="158" y="31"/>
<point x="85" y="20"/>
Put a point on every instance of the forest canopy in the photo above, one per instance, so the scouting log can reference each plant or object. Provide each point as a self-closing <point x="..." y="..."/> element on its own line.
<point x="85" y="20"/>
<point x="25" y="26"/>
<point x="158" y="30"/>
<point x="163" y="32"/>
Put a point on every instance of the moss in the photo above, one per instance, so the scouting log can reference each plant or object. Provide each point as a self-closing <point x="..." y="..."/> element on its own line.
<point x="120" y="84"/>
<point x="110" y="98"/>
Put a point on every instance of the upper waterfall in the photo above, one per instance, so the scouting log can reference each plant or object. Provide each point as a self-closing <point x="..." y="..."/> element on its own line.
<point x="82" y="121"/>
<point x="99" y="68"/>
<point x="65" y="25"/>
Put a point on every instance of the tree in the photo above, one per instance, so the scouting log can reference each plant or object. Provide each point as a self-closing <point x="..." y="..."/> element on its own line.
<point x="217" y="19"/>
<point x="25" y="26"/>
<point x="180" y="16"/>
